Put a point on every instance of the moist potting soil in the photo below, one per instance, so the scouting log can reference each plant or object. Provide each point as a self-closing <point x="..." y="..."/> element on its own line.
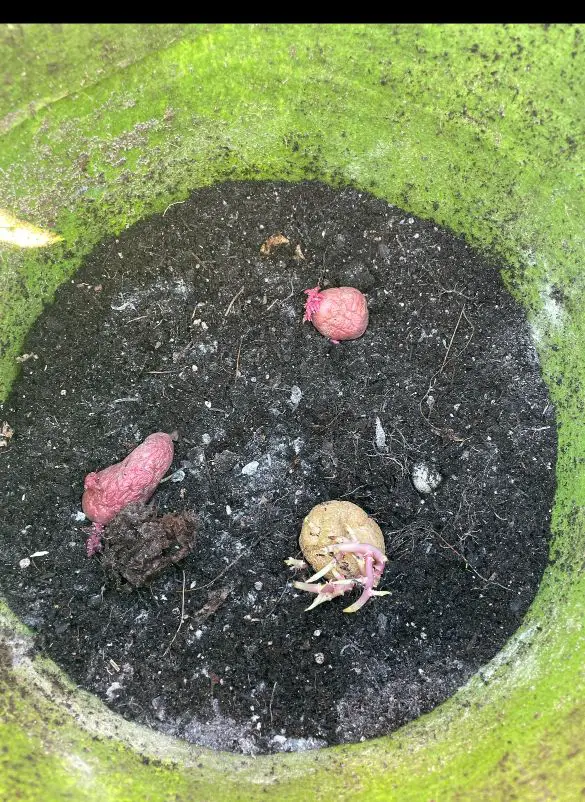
<point x="436" y="421"/>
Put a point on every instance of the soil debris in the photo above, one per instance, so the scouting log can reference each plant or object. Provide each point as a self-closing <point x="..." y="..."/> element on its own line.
<point x="6" y="434"/>
<point x="139" y="544"/>
<point x="272" y="243"/>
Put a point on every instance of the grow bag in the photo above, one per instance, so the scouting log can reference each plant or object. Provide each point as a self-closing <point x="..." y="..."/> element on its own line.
<point x="472" y="127"/>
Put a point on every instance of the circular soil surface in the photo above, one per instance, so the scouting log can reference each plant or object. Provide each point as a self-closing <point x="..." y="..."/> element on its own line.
<point x="183" y="324"/>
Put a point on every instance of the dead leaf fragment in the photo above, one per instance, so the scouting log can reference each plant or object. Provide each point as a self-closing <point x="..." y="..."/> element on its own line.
<point x="6" y="433"/>
<point x="273" y="242"/>
<point x="299" y="255"/>
<point x="214" y="602"/>
<point x="449" y="435"/>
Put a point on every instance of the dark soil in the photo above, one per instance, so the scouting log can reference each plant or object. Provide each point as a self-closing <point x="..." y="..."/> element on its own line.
<point x="182" y="324"/>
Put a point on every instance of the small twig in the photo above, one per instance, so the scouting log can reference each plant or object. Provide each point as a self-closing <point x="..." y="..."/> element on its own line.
<point x="238" y="359"/>
<point x="277" y="300"/>
<point x="164" y="372"/>
<point x="166" y="651"/>
<point x="448" y="351"/>
<point x="176" y="203"/>
<point x="226" y="569"/>
<point x="468" y="565"/>
<point x="280" y="598"/>
<point x="232" y="302"/>
<point x="349" y="492"/>
<point x="446" y="357"/>
<point x="271" y="700"/>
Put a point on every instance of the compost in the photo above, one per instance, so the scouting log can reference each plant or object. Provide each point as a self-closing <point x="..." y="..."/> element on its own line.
<point x="436" y="422"/>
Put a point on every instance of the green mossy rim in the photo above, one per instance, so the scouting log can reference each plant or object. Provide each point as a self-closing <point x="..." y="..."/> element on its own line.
<point x="475" y="127"/>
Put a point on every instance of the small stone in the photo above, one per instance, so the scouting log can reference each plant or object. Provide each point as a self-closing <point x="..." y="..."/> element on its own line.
<point x="319" y="658"/>
<point x="380" y="435"/>
<point x="295" y="396"/>
<point x="94" y="601"/>
<point x="257" y="585"/>
<point x="251" y="468"/>
<point x="24" y="563"/>
<point x="425" y="478"/>
<point x="113" y="690"/>
<point x="297" y="445"/>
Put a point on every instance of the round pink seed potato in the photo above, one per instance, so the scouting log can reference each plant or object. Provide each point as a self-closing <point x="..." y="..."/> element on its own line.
<point x="340" y="313"/>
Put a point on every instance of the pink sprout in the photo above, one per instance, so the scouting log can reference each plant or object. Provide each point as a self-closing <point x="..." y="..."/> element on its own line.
<point x="93" y="544"/>
<point x="371" y="562"/>
<point x="314" y="300"/>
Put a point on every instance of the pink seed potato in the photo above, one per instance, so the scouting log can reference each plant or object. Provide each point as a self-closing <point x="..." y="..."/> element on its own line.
<point x="134" y="479"/>
<point x="340" y="313"/>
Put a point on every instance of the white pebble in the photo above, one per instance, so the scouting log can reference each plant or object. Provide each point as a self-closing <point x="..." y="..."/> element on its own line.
<point x="257" y="585"/>
<point x="112" y="690"/>
<point x="295" y="395"/>
<point x="297" y="445"/>
<point x="319" y="658"/>
<point x="251" y="468"/>
<point x="380" y="435"/>
<point x="24" y="563"/>
<point x="425" y="478"/>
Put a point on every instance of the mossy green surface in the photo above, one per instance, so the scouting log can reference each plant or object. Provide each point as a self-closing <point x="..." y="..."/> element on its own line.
<point x="480" y="128"/>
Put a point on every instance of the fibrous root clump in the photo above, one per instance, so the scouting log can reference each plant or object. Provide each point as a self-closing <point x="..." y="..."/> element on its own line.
<point x="138" y="544"/>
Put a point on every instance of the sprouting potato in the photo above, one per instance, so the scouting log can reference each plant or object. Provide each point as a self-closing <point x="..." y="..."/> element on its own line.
<point x="108" y="491"/>
<point x="135" y="479"/>
<point x="337" y="522"/>
<point x="346" y="548"/>
<point x="340" y="313"/>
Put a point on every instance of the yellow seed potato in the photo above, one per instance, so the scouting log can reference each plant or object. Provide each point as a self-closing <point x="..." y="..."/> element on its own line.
<point x="338" y="522"/>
